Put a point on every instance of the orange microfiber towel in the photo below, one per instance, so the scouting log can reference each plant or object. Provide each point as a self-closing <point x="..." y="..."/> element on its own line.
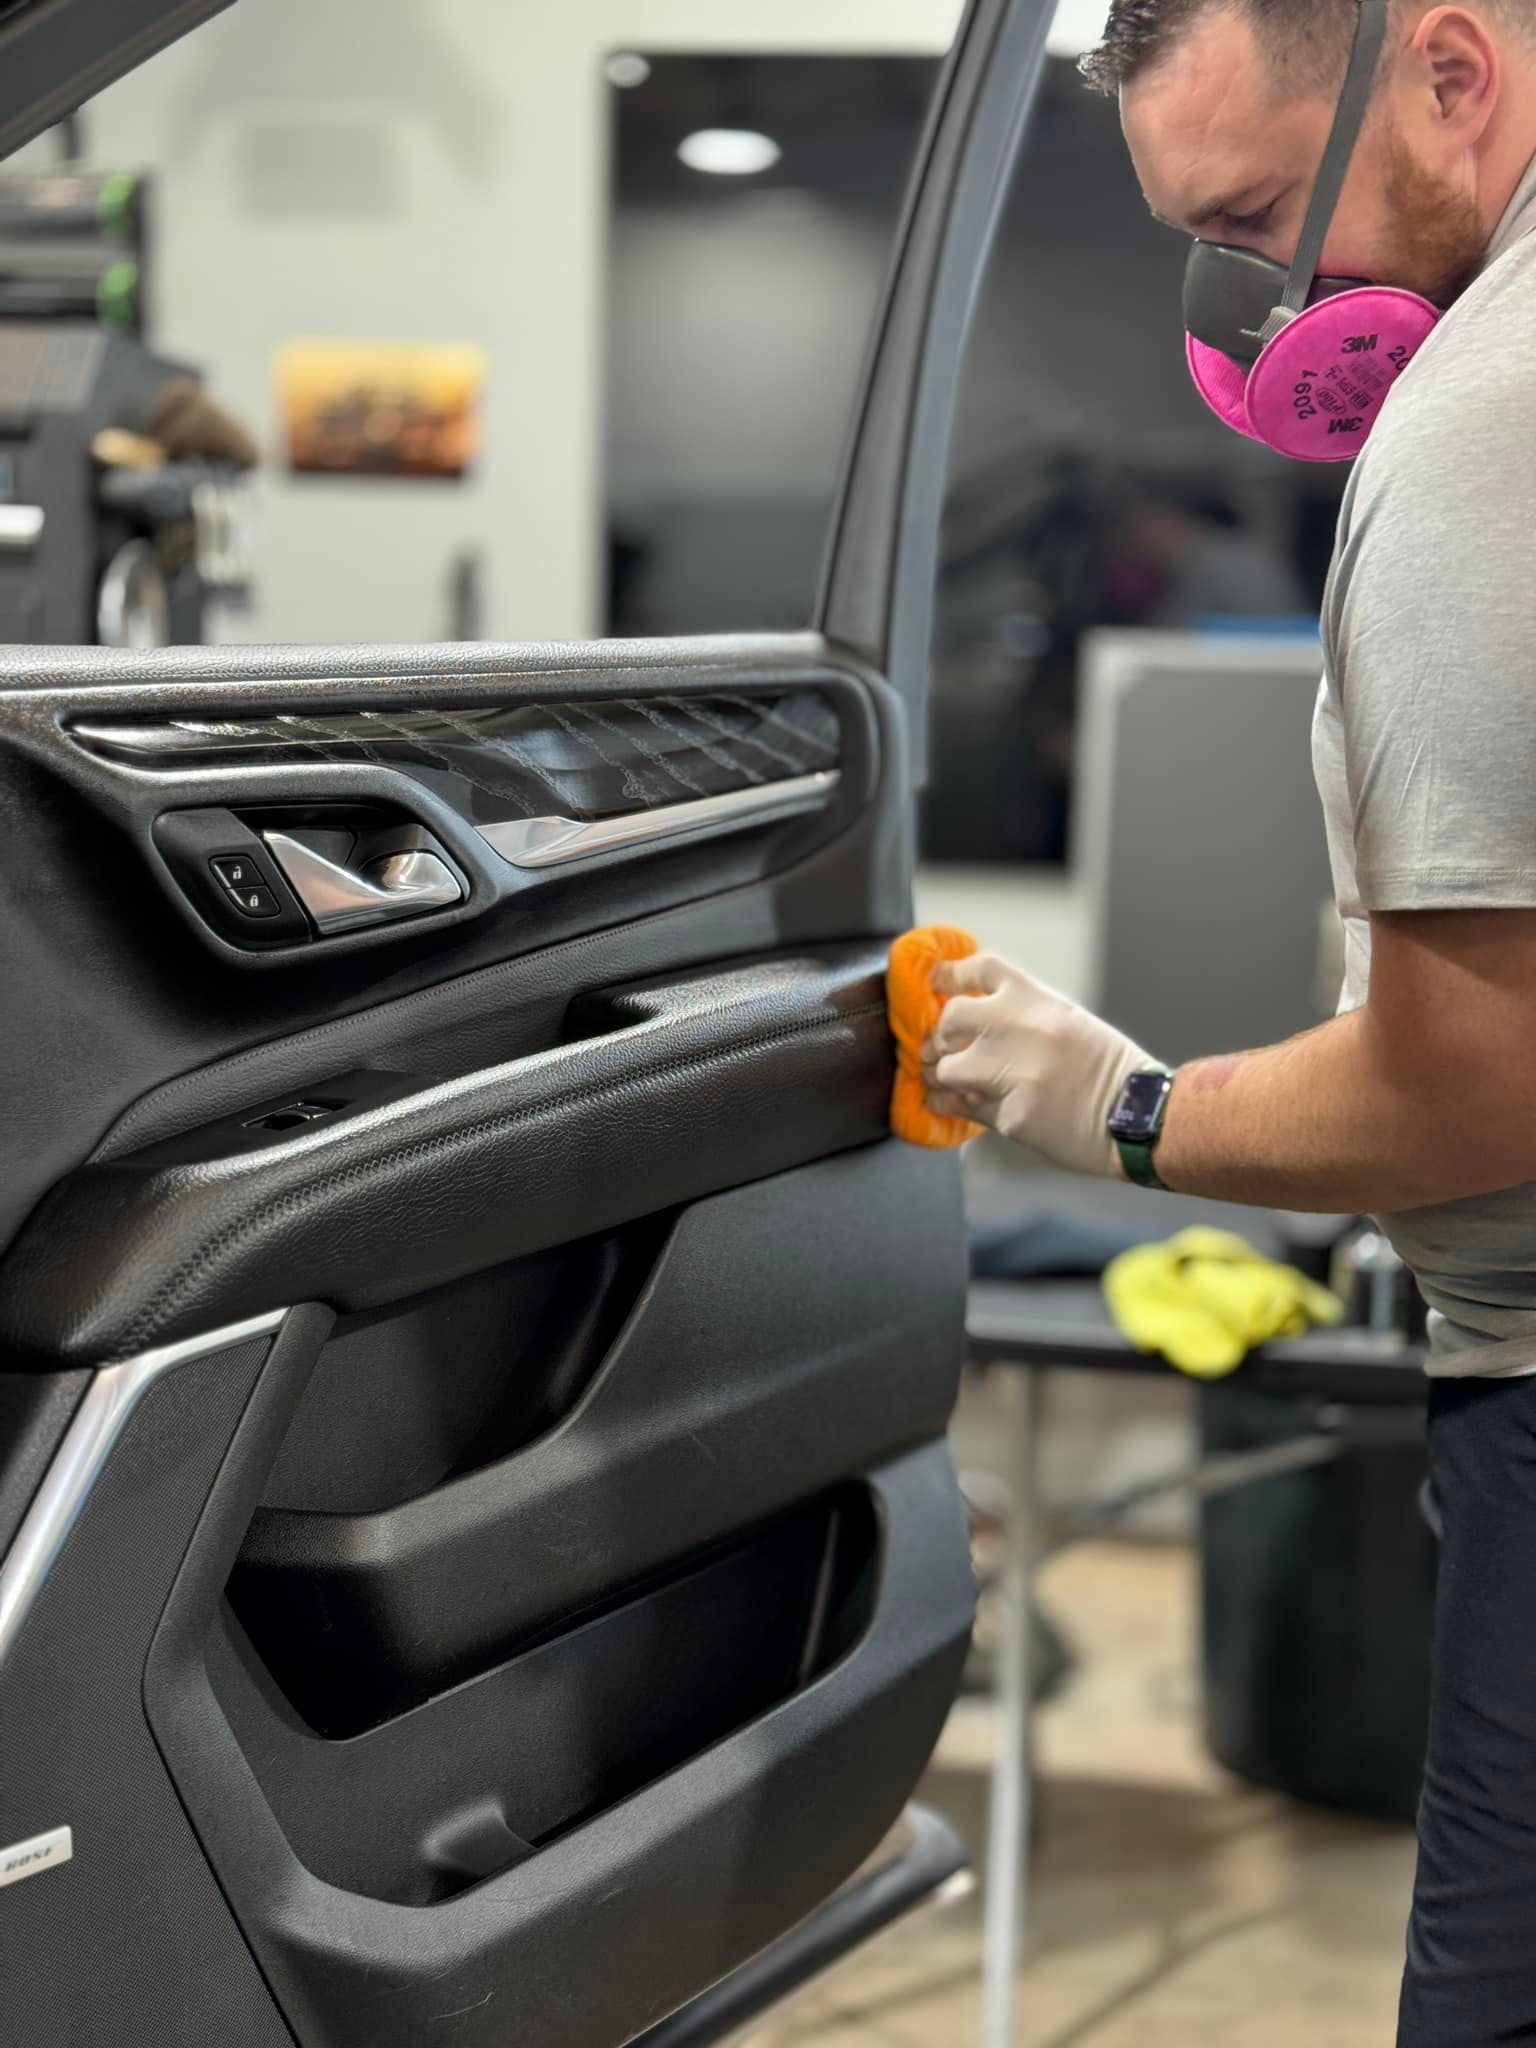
<point x="914" y="1011"/>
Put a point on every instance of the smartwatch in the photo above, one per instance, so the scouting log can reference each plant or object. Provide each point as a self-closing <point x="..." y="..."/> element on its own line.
<point x="1136" y="1123"/>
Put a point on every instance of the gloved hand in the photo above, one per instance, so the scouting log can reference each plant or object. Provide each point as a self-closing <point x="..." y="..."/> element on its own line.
<point x="1011" y="1053"/>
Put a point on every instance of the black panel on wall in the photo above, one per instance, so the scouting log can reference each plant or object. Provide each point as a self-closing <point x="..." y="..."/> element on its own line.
<point x="738" y="314"/>
<point x="1088" y="486"/>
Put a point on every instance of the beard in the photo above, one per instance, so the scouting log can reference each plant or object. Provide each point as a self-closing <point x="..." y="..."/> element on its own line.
<point x="1436" y="240"/>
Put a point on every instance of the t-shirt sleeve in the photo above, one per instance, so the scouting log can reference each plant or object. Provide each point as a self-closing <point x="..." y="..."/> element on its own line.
<point x="1430" y="625"/>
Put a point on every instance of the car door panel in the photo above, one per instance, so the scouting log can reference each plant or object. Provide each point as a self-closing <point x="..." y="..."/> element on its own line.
<point x="479" y="1560"/>
<point x="600" y="1529"/>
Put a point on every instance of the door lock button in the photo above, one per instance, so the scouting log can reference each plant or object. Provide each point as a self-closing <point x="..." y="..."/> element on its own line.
<point x="246" y="883"/>
<point x="238" y="871"/>
<point x="254" y="902"/>
<point x="234" y="885"/>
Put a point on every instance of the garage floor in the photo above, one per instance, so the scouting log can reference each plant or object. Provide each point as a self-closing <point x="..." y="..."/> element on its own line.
<point x="1174" y="1908"/>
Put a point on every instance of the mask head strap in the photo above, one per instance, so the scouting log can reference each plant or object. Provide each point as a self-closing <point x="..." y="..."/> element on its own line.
<point x="1348" y="119"/>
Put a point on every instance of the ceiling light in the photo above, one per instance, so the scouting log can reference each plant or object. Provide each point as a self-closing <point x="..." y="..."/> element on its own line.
<point x="626" y="68"/>
<point x="729" y="152"/>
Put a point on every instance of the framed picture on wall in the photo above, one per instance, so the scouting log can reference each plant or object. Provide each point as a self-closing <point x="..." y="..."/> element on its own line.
<point x="395" y="409"/>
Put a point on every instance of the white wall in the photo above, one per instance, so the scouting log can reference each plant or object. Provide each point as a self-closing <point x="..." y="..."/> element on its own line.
<point x="426" y="169"/>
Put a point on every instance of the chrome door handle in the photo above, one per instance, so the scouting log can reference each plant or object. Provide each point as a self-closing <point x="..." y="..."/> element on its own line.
<point x="340" y="899"/>
<point x="550" y="842"/>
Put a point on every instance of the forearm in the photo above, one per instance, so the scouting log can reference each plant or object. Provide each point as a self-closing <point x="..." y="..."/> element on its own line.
<point x="1332" y="1121"/>
<point x="1425" y="1095"/>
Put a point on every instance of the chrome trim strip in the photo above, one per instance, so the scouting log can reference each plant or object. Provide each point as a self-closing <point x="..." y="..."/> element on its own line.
<point x="550" y="842"/>
<point x="179" y="736"/>
<point x="98" y="1422"/>
<point x="21" y="528"/>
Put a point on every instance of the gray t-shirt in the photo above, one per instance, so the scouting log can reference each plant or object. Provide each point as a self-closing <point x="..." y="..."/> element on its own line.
<point x="1424" y="742"/>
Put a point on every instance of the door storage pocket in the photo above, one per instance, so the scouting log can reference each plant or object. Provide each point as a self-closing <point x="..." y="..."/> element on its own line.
<point x="423" y="1806"/>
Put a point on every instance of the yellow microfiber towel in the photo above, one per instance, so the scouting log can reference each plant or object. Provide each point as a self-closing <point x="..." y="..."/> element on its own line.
<point x="1205" y="1299"/>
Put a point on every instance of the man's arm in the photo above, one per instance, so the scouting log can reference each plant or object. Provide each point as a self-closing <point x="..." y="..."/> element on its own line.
<point x="1425" y="1095"/>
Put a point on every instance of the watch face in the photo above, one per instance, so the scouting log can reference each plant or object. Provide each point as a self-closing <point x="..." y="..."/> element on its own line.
<point x="1138" y="1115"/>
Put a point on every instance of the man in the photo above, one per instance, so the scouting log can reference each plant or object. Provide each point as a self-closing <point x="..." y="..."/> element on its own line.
<point x="1418" y="1102"/>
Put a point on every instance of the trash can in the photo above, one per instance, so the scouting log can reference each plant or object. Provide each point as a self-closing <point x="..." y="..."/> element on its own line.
<point x="1318" y="1589"/>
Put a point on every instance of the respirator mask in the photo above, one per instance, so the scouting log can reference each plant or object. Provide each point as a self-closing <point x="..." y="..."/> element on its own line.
<point x="1297" y="361"/>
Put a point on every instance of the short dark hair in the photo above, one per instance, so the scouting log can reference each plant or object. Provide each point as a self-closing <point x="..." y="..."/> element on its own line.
<point x="1308" y="40"/>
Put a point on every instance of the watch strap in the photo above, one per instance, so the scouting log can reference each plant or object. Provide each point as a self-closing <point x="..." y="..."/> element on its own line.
<point x="1136" y="1154"/>
<point x="1140" y="1166"/>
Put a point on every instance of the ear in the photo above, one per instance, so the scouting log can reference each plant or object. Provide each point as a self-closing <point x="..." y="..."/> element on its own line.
<point x="1455" y="62"/>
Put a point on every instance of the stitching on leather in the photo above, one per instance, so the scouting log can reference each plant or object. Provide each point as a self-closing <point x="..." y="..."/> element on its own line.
<point x="162" y="1302"/>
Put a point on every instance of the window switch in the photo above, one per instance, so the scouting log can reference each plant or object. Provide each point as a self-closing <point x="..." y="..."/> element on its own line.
<point x="254" y="902"/>
<point x="288" y="1118"/>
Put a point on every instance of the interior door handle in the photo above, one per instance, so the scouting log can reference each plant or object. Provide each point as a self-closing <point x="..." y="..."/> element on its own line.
<point x="341" y="899"/>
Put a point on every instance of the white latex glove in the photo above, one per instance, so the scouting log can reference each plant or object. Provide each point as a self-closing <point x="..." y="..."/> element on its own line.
<point x="1011" y="1053"/>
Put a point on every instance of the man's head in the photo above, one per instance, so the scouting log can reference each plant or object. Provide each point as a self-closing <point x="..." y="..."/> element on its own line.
<point x="1227" y="104"/>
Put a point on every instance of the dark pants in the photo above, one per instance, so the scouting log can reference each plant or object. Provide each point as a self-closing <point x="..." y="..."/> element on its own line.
<point x="1471" y="1975"/>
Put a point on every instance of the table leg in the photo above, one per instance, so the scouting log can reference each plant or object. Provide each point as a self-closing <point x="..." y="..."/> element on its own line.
<point x="1008" y="1840"/>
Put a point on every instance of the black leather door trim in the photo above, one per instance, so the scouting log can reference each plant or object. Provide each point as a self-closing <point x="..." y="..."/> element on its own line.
<point x="687" y="1087"/>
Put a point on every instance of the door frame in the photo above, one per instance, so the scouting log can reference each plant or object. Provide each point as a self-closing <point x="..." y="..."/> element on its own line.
<point x="881" y="562"/>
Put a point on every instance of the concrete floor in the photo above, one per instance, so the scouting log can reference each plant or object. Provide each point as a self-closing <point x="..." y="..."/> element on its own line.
<point x="1173" y="1907"/>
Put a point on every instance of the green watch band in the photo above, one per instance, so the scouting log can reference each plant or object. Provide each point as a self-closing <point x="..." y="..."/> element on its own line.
<point x="1136" y="1158"/>
<point x="1136" y="1124"/>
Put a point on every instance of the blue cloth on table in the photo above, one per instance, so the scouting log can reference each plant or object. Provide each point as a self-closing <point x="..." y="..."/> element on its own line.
<point x="1052" y="1246"/>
